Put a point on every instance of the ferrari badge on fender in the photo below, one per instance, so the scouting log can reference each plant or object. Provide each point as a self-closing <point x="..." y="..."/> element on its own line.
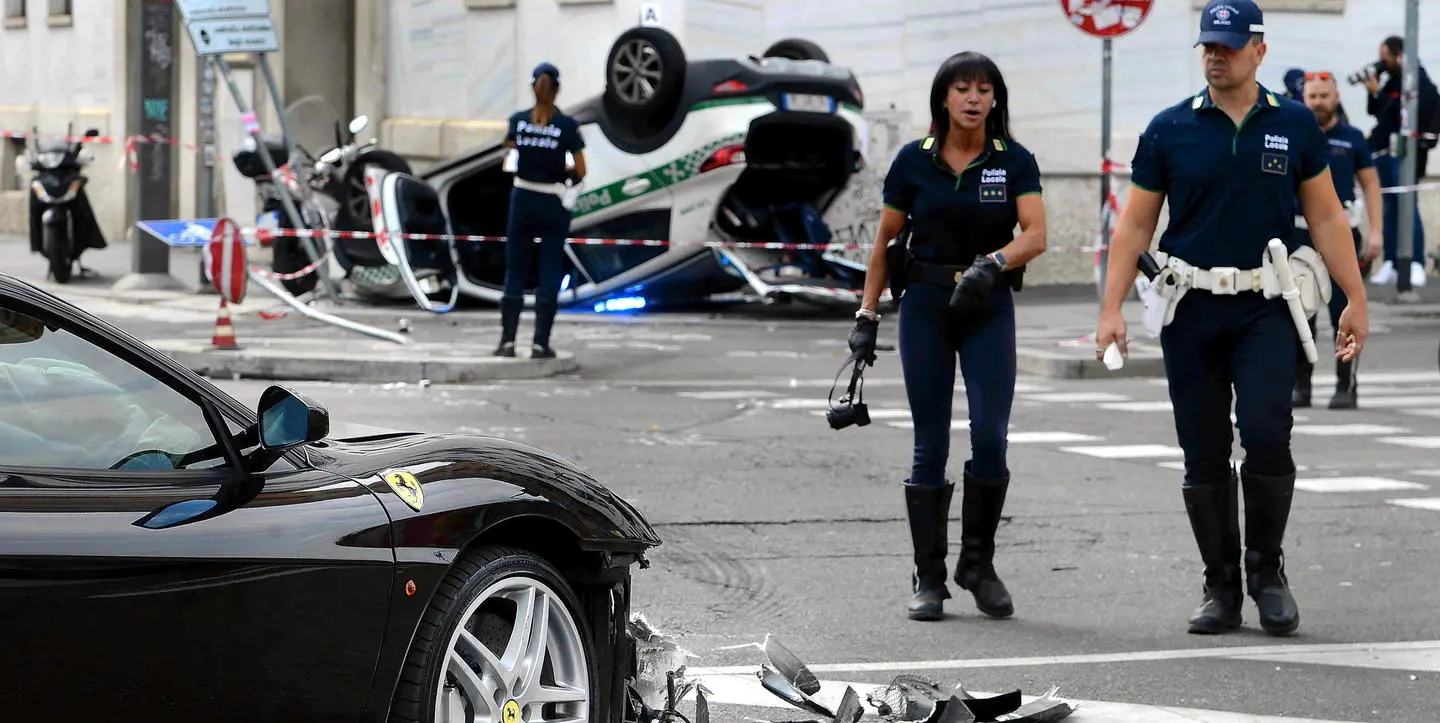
<point x="407" y="488"/>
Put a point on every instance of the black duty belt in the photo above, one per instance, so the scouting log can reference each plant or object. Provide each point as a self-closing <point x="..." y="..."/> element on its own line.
<point x="925" y="272"/>
<point x="947" y="275"/>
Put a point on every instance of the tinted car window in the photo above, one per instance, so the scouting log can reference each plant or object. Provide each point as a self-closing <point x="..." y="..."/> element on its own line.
<point x="67" y="403"/>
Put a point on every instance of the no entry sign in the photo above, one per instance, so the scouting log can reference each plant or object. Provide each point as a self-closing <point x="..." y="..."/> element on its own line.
<point x="1106" y="18"/>
<point x="225" y="261"/>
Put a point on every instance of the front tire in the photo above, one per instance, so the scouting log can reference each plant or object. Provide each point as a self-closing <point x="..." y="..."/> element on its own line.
<point x="468" y="658"/>
<point x="57" y="251"/>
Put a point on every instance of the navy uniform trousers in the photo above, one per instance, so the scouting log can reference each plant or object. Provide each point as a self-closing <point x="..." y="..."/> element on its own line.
<point x="1214" y="343"/>
<point x="533" y="214"/>
<point x="932" y="337"/>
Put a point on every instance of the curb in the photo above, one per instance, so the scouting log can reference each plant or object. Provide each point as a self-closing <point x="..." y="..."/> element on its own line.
<point x="357" y="366"/>
<point x="1062" y="365"/>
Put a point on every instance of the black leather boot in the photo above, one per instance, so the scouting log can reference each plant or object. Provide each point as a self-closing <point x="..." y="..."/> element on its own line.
<point x="1267" y="511"/>
<point x="928" y="508"/>
<point x="982" y="499"/>
<point x="1300" y="396"/>
<point x="544" y="320"/>
<point x="510" y="308"/>
<point x="1346" y="386"/>
<point x="1215" y="519"/>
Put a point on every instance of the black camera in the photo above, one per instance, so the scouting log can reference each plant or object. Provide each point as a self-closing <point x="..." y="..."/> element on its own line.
<point x="851" y="408"/>
<point x="1370" y="71"/>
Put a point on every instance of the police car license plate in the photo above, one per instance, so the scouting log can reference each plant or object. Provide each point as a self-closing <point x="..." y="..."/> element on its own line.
<point x="808" y="103"/>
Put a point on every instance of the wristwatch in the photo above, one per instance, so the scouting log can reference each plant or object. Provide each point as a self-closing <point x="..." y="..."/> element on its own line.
<point x="999" y="259"/>
<point x="864" y="313"/>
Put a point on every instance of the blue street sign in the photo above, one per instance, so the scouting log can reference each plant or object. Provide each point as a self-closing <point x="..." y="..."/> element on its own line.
<point x="182" y="232"/>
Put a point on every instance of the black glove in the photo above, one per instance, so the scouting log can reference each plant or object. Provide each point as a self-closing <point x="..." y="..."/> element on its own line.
<point x="977" y="282"/>
<point x="862" y="339"/>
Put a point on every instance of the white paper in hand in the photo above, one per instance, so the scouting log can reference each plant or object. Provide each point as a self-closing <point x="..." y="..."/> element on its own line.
<point x="1113" y="360"/>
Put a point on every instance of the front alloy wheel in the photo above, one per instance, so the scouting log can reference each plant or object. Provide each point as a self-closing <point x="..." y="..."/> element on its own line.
<point x="534" y="671"/>
<point x="636" y="71"/>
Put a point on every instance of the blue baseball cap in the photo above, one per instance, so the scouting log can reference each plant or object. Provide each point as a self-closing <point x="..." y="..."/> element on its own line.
<point x="545" y="69"/>
<point x="1295" y="81"/>
<point x="1230" y="22"/>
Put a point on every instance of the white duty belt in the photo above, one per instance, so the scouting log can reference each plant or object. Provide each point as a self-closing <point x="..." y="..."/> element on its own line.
<point x="1304" y="283"/>
<point x="554" y="189"/>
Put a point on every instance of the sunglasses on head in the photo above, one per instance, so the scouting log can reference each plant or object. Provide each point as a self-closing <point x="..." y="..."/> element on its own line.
<point x="1319" y="76"/>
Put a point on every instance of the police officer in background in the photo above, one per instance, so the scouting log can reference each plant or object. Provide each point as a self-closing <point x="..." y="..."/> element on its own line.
<point x="540" y="136"/>
<point x="1232" y="160"/>
<point x="962" y="190"/>
<point x="1349" y="159"/>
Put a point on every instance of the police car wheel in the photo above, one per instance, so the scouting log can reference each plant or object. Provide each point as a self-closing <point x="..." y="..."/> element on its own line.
<point x="797" y="49"/>
<point x="478" y="605"/>
<point x="645" y="69"/>
<point x="353" y="198"/>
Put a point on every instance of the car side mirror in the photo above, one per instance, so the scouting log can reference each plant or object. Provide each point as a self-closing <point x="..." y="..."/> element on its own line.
<point x="359" y="124"/>
<point x="289" y="419"/>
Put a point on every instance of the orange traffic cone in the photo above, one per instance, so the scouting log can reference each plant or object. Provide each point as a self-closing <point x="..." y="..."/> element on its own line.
<point x="224" y="337"/>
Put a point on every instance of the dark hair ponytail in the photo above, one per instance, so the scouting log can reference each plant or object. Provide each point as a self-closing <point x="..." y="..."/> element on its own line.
<point x="545" y="89"/>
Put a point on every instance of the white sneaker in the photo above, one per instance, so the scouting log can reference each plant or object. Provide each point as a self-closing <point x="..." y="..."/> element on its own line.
<point x="1385" y="275"/>
<point x="1417" y="274"/>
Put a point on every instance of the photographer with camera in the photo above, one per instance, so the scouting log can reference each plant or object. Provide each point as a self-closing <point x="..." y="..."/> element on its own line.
<point x="962" y="190"/>
<point x="1385" y="103"/>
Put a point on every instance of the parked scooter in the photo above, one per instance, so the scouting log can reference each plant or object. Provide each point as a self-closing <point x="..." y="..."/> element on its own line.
<point x="62" y="222"/>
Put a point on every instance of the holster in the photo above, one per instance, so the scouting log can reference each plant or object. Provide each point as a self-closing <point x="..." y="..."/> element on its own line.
<point x="897" y="264"/>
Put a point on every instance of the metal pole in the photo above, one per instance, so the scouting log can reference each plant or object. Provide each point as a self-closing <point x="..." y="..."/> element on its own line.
<point x="205" y="204"/>
<point x="294" y="214"/>
<point x="1105" y="103"/>
<point x="154" y="180"/>
<point x="301" y="176"/>
<point x="1410" y="145"/>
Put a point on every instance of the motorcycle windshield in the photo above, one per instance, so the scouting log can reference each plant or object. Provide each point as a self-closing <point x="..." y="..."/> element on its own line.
<point x="313" y="121"/>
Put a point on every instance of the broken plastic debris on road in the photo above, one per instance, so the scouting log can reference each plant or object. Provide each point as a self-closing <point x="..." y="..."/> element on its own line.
<point x="661" y="683"/>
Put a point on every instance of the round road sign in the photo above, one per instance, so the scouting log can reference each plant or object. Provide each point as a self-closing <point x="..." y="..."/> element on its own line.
<point x="225" y="261"/>
<point x="1106" y="18"/>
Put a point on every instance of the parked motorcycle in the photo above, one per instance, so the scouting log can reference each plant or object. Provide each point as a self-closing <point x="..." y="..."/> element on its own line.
<point x="330" y="193"/>
<point x="62" y="221"/>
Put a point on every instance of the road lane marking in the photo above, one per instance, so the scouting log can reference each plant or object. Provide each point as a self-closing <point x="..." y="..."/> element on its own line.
<point x="1159" y="406"/>
<point x="1417" y="442"/>
<point x="727" y="394"/>
<point x="1127" y="451"/>
<point x="1346" y="430"/>
<point x="1235" y="652"/>
<point x="1421" y="400"/>
<point x="1050" y="437"/>
<point x="1356" y="484"/>
<point x="1076" y="397"/>
<point x="1417" y="503"/>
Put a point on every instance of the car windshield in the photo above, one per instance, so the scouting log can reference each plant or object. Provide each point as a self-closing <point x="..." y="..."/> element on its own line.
<point x="67" y="403"/>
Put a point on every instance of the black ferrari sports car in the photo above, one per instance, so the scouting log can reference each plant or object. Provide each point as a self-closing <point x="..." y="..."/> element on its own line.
<point x="168" y="554"/>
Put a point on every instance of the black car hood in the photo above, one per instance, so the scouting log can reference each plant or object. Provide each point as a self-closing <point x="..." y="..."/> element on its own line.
<point x="602" y="515"/>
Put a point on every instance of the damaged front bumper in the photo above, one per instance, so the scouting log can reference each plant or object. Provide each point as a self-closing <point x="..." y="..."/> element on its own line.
<point x="661" y="685"/>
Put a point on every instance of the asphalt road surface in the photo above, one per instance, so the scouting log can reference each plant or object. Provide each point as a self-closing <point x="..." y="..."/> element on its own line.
<point x="774" y="523"/>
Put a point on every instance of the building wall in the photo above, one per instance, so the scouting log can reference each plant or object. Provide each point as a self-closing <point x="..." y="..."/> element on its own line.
<point x="56" y="70"/>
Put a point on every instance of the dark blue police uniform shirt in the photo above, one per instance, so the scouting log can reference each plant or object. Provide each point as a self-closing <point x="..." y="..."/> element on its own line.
<point x="955" y="217"/>
<point x="1231" y="189"/>
<point x="1349" y="153"/>
<point x="542" y="148"/>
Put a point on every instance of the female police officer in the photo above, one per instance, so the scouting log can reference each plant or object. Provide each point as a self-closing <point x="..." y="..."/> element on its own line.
<point x="1232" y="160"/>
<point x="540" y="136"/>
<point x="962" y="191"/>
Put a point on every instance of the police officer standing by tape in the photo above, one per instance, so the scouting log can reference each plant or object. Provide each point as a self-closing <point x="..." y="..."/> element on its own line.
<point x="540" y="136"/>
<point x="1232" y="161"/>
<point x="962" y="190"/>
<point x="1350" y="161"/>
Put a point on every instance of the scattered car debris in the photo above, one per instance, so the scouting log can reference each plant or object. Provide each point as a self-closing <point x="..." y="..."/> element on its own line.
<point x="660" y="685"/>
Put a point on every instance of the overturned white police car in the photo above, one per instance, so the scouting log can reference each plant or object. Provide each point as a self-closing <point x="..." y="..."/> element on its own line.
<point x="699" y="158"/>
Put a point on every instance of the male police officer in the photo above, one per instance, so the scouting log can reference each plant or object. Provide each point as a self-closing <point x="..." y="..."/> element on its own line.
<point x="1232" y="161"/>
<point x="1349" y="161"/>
